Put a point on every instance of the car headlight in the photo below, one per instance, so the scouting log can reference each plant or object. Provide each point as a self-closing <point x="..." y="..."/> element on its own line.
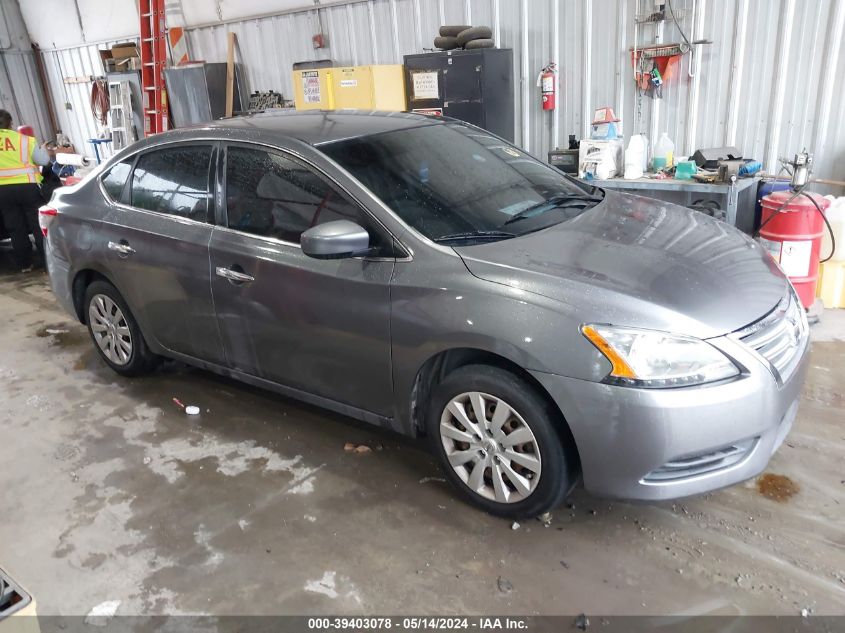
<point x="647" y="358"/>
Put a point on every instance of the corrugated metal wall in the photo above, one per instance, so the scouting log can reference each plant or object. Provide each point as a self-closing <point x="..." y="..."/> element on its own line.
<point x="772" y="81"/>
<point x="72" y="100"/>
<point x="20" y="89"/>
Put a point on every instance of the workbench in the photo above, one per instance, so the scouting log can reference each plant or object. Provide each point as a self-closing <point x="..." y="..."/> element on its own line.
<point x="736" y="199"/>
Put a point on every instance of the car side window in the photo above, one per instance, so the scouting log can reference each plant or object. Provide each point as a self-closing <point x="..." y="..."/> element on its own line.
<point x="173" y="181"/>
<point x="114" y="179"/>
<point x="271" y="195"/>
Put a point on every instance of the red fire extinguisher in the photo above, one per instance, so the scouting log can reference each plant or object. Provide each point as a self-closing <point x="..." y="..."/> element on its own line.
<point x="546" y="81"/>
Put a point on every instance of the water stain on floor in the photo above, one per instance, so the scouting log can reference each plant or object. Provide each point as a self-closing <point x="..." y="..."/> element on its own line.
<point x="777" y="487"/>
<point x="62" y="335"/>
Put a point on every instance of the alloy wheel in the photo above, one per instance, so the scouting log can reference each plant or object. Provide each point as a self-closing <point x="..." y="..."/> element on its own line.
<point x="490" y="447"/>
<point x="110" y="329"/>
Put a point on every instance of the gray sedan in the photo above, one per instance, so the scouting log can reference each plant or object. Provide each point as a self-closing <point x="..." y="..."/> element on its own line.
<point x="424" y="275"/>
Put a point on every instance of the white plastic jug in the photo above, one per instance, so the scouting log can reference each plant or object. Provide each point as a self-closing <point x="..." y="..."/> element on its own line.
<point x="635" y="157"/>
<point x="836" y="217"/>
<point x="665" y="148"/>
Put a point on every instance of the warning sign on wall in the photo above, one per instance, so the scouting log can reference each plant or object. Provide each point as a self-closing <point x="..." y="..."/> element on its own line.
<point x="425" y="85"/>
<point x="795" y="258"/>
<point x="429" y="111"/>
<point x="311" y="86"/>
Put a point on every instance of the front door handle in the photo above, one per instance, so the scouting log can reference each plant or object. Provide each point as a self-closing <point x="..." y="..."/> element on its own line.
<point x="121" y="247"/>
<point x="234" y="275"/>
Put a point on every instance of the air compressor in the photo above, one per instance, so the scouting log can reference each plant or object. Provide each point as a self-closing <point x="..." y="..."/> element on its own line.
<point x="791" y="229"/>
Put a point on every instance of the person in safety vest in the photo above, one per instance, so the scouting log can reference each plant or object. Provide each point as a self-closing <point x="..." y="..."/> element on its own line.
<point x="20" y="195"/>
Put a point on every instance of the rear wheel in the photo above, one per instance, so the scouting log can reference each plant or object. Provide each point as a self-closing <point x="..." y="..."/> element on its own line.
<point x="498" y="442"/>
<point x="115" y="332"/>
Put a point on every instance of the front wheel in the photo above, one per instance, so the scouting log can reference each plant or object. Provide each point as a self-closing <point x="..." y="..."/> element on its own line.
<point x="498" y="442"/>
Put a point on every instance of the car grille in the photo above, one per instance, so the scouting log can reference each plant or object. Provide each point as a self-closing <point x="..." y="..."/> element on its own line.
<point x="702" y="463"/>
<point x="779" y="337"/>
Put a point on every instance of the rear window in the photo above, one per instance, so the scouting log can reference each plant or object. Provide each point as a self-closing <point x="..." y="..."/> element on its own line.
<point x="174" y="181"/>
<point x="115" y="179"/>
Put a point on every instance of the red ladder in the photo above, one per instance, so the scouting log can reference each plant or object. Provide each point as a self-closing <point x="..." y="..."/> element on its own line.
<point x="153" y="59"/>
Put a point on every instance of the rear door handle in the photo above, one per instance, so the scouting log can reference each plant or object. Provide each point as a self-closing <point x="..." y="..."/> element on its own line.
<point x="234" y="275"/>
<point x="121" y="247"/>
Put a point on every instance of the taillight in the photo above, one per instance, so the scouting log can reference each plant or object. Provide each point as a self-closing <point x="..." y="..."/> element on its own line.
<point x="46" y="215"/>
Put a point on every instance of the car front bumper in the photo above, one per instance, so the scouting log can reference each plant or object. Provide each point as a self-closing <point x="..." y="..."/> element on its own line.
<point x="652" y="444"/>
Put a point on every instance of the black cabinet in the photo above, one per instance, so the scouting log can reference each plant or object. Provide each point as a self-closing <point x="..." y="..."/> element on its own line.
<point x="475" y="86"/>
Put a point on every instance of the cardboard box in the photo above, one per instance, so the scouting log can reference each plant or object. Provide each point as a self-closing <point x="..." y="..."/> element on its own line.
<point x="122" y="51"/>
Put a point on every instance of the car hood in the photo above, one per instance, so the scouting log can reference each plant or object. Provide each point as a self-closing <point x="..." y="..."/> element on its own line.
<point x="640" y="262"/>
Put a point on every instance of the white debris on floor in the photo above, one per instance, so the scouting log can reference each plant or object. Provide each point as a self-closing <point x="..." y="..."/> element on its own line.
<point x="233" y="458"/>
<point x="202" y="537"/>
<point x="328" y="585"/>
<point x="102" y="613"/>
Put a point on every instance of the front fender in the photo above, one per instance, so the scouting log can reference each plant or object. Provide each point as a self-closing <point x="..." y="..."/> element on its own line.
<point x="465" y="312"/>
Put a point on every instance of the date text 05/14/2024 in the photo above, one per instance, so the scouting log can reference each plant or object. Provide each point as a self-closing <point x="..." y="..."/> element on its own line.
<point x="417" y="623"/>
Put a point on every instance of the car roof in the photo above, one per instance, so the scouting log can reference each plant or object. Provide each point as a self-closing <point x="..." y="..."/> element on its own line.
<point x="317" y="127"/>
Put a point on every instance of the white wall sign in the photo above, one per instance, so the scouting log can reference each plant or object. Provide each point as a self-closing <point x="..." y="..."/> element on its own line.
<point x="795" y="258"/>
<point x="311" y="86"/>
<point x="425" y="85"/>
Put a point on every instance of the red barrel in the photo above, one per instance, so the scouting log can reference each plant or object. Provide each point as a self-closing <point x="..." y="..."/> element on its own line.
<point x="794" y="238"/>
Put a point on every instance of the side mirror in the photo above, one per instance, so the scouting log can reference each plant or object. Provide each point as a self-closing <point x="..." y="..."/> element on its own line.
<point x="335" y="240"/>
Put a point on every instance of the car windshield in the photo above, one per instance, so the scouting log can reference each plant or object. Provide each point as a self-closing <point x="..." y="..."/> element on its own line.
<point x="460" y="185"/>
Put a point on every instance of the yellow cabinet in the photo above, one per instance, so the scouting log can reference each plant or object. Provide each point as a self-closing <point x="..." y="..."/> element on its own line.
<point x="377" y="87"/>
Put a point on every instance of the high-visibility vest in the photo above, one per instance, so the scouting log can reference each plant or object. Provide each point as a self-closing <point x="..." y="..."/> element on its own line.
<point x="16" y="165"/>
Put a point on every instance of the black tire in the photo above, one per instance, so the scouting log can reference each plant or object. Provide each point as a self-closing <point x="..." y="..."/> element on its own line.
<point x="474" y="33"/>
<point x="445" y="42"/>
<point x="451" y="30"/>
<point x="558" y="456"/>
<point x="140" y="360"/>
<point x="480" y="43"/>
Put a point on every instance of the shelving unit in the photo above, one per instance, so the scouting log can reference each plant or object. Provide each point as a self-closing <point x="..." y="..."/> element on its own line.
<point x="121" y="115"/>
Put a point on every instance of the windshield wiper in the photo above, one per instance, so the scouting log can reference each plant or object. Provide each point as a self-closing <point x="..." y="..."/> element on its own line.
<point x="555" y="202"/>
<point x="475" y="235"/>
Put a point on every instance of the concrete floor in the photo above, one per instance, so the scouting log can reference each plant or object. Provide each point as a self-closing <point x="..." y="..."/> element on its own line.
<point x="109" y="492"/>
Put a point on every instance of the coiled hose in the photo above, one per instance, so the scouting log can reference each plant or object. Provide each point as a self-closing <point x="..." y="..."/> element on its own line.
<point x="100" y="102"/>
